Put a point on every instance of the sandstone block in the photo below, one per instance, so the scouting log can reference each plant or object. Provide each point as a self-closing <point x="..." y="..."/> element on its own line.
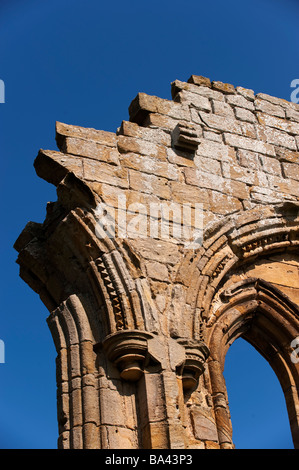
<point x="116" y="437"/>
<point x="105" y="173"/>
<point x="183" y="194"/>
<point x="91" y="149"/>
<point x="131" y="129"/>
<point x="260" y="195"/>
<point x="249" y="144"/>
<point x="204" y="426"/>
<point x="246" y="175"/>
<point x="151" y="398"/>
<point x="213" y="135"/>
<point x="246" y="93"/>
<point x="157" y="250"/>
<point x="278" y="123"/>
<point x="206" y="91"/>
<point x="109" y="193"/>
<point x="144" y="104"/>
<point x="113" y="414"/>
<point x="285" y="155"/>
<point x="134" y="145"/>
<point x="149" y="183"/>
<point x="274" y="100"/>
<point x="268" y="108"/>
<point x="217" y="122"/>
<point x="248" y="129"/>
<point x="223" y="204"/>
<point x="157" y="271"/>
<point x="283" y="185"/>
<point x="209" y="165"/>
<point x="226" y="88"/>
<point x="240" y="101"/>
<point x="276" y="272"/>
<point x="160" y="121"/>
<point x="222" y="108"/>
<point x="150" y="165"/>
<point x="291" y="170"/>
<point x="194" y="99"/>
<point x="200" y="81"/>
<point x="276" y="137"/>
<point x="271" y="165"/>
<point x="101" y="137"/>
<point x="215" y="182"/>
<point x="292" y="114"/>
<point x="91" y="436"/>
<point x="180" y="158"/>
<point x="154" y="436"/>
<point x="178" y="86"/>
<point x="244" y="114"/>
<point x="249" y="159"/>
<point x="53" y="166"/>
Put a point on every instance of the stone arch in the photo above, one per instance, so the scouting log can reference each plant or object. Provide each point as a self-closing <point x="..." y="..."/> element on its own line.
<point x="227" y="303"/>
<point x="268" y="320"/>
<point x="150" y="312"/>
<point x="113" y="272"/>
<point x="235" y="241"/>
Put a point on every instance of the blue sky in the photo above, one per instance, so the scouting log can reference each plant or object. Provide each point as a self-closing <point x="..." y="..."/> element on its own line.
<point x="82" y="62"/>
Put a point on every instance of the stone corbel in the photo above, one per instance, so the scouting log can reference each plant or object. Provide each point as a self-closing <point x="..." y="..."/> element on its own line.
<point x="127" y="350"/>
<point x="196" y="354"/>
<point x="184" y="137"/>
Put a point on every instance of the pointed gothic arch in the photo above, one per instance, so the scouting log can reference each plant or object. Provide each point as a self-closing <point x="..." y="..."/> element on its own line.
<point x="227" y="304"/>
<point x="267" y="319"/>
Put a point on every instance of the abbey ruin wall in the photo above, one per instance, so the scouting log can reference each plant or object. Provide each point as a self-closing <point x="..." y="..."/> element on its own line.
<point x="169" y="239"/>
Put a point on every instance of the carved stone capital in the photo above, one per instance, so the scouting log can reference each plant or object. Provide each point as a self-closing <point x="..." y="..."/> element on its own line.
<point x="196" y="355"/>
<point x="127" y="349"/>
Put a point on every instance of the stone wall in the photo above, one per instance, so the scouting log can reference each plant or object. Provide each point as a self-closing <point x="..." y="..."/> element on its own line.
<point x="143" y="309"/>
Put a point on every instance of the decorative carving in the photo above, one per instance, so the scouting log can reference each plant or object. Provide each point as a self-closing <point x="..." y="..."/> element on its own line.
<point x="221" y="266"/>
<point x="196" y="355"/>
<point x="238" y="288"/>
<point x="265" y="241"/>
<point x="106" y="276"/>
<point x="127" y="349"/>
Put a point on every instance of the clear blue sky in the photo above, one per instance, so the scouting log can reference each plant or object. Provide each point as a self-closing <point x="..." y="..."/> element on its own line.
<point x="82" y="62"/>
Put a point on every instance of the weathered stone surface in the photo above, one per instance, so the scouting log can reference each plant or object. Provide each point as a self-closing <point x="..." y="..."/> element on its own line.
<point x="199" y="80"/>
<point x="149" y="183"/>
<point x="194" y="99"/>
<point x="150" y="166"/>
<point x="101" y="137"/>
<point x="142" y="319"/>
<point x="157" y="271"/>
<point x="217" y="122"/>
<point x="213" y="181"/>
<point x="223" y="109"/>
<point x="91" y="149"/>
<point x="226" y="88"/>
<point x="247" y="93"/>
<point x="244" y="114"/>
<point x="204" y="427"/>
<point x="269" y="108"/>
<point x="249" y="144"/>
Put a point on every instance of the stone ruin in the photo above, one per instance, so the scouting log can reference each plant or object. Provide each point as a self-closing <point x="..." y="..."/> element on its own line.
<point x="169" y="239"/>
